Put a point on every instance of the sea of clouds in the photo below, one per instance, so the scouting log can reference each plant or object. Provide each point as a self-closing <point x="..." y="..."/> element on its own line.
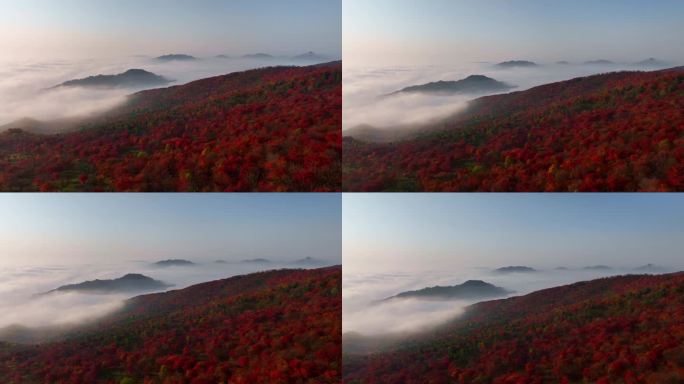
<point x="365" y="88"/>
<point x="362" y="291"/>
<point x="21" y="302"/>
<point x="25" y="93"/>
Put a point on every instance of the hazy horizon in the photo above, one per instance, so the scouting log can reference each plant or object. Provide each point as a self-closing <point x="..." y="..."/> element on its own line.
<point x="408" y="32"/>
<point x="51" y="43"/>
<point x="92" y="228"/>
<point x="50" y="240"/>
<point x="80" y="29"/>
<point x="393" y="44"/>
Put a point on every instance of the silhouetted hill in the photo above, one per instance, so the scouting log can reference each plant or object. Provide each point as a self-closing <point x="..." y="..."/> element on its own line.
<point x="598" y="133"/>
<point x="133" y="78"/>
<point x="175" y="57"/>
<point x="597" y="268"/>
<point x="174" y="262"/>
<point x="650" y="268"/>
<point x="309" y="261"/>
<point x="311" y="56"/>
<point x="515" y="269"/>
<point x="517" y="64"/>
<point x="614" y="330"/>
<point x="258" y="56"/>
<point x="470" y="290"/>
<point x="471" y="85"/>
<point x="256" y="261"/>
<point x="131" y="282"/>
<point x="276" y="327"/>
<point x="599" y="62"/>
<point x="651" y="63"/>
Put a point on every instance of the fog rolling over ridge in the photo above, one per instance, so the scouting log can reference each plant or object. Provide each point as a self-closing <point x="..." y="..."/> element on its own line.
<point x="524" y="43"/>
<point x="365" y="86"/>
<point x="29" y="296"/>
<point x="175" y="240"/>
<point x="28" y="88"/>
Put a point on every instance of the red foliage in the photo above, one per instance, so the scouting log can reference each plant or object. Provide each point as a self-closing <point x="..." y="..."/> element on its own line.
<point x="273" y="129"/>
<point x="614" y="132"/>
<point x="271" y="327"/>
<point x="618" y="330"/>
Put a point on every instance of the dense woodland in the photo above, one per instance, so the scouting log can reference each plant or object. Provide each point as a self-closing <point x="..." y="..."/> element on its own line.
<point x="627" y="329"/>
<point x="273" y="129"/>
<point x="612" y="132"/>
<point x="270" y="327"/>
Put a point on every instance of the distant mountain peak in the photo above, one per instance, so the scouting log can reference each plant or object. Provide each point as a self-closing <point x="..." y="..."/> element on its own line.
<point x="470" y="290"/>
<point x="599" y="62"/>
<point x="517" y="63"/>
<point x="311" y="56"/>
<point x="132" y="78"/>
<point x="258" y="56"/>
<point x="173" y="262"/>
<point x="132" y="282"/>
<point x="515" y="268"/>
<point x="176" y="57"/>
<point x="473" y="84"/>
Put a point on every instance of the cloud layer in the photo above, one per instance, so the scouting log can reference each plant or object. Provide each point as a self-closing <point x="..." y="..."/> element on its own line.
<point x="24" y="85"/>
<point x="361" y="291"/>
<point x="21" y="304"/>
<point x="364" y="88"/>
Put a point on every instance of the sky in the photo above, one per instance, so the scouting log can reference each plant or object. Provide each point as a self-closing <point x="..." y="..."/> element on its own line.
<point x="405" y="232"/>
<point x="392" y="32"/>
<point x="74" y="29"/>
<point x="74" y="229"/>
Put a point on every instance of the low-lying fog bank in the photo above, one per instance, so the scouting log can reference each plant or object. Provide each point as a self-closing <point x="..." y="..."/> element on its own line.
<point x="365" y="314"/>
<point x="365" y="88"/>
<point x="25" y="93"/>
<point x="23" y="303"/>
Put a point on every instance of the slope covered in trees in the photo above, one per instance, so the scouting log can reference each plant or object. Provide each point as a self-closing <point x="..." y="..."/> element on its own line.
<point x="627" y="329"/>
<point x="272" y="129"/>
<point x="612" y="132"/>
<point x="270" y="327"/>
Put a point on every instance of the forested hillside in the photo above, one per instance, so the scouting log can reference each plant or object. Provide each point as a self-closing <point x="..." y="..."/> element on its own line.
<point x="272" y="129"/>
<point x="612" y="132"/>
<point x="627" y="329"/>
<point x="269" y="327"/>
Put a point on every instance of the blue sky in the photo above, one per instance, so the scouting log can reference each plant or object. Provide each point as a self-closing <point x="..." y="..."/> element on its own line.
<point x="99" y="27"/>
<point x="406" y="31"/>
<point x="424" y="231"/>
<point x="103" y="228"/>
